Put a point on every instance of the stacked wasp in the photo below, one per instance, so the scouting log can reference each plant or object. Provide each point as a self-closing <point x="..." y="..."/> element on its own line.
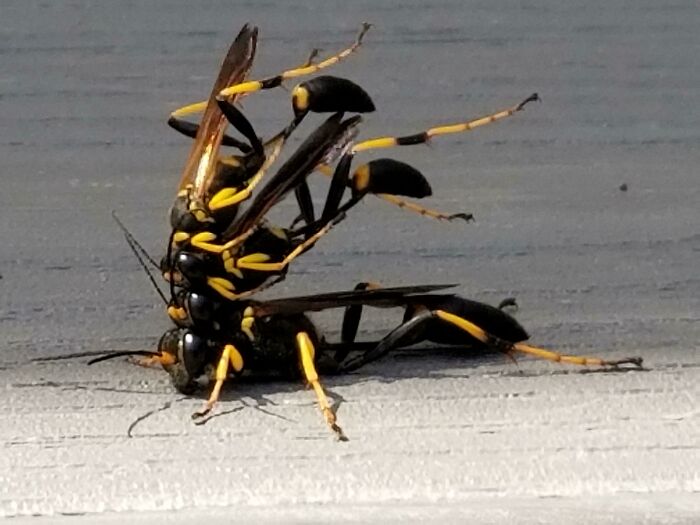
<point x="219" y="255"/>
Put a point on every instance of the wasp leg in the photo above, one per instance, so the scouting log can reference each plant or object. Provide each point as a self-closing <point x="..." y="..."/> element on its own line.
<point x="277" y="80"/>
<point x="306" y="356"/>
<point x="244" y="264"/>
<point x="339" y="182"/>
<point x="422" y="210"/>
<point x="425" y="136"/>
<point x="351" y="322"/>
<point x="230" y="356"/>
<point x="306" y="203"/>
<point x="409" y="331"/>
<point x="239" y="121"/>
<point x="308" y="68"/>
<point x="353" y="313"/>
<point x="404" y="334"/>
<point x="491" y="340"/>
<point x="190" y="129"/>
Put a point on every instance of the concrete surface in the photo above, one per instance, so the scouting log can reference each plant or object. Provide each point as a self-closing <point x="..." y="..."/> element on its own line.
<point x="85" y="88"/>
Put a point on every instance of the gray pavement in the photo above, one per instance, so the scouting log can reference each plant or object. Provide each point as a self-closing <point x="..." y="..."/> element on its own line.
<point x="85" y="88"/>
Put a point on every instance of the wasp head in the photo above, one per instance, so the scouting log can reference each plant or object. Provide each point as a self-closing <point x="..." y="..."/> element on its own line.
<point x="184" y="355"/>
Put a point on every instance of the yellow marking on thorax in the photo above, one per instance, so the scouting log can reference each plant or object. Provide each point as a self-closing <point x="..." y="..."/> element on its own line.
<point x="247" y="327"/>
<point x="223" y="286"/>
<point x="177" y="314"/>
<point x="180" y="237"/>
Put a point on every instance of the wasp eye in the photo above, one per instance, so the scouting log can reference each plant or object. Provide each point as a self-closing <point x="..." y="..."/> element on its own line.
<point x="195" y="351"/>
<point x="169" y="343"/>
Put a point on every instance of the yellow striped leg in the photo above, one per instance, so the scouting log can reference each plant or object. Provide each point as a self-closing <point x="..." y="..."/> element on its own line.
<point x="306" y="356"/>
<point x="489" y="339"/>
<point x="244" y="88"/>
<point x="425" y="136"/>
<point x="421" y="210"/>
<point x="308" y="69"/>
<point x="229" y="356"/>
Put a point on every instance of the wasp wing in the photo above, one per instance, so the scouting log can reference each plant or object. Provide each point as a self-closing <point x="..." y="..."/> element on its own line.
<point x="201" y="163"/>
<point x="377" y="297"/>
<point x="328" y="139"/>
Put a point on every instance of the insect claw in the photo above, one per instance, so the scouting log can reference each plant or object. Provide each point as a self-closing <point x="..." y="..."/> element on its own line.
<point x="198" y="416"/>
<point x="339" y="434"/>
<point x="466" y="217"/>
<point x="200" y="422"/>
<point x="512" y="359"/>
<point x="635" y="361"/>
<point x="532" y="98"/>
<point x="366" y="26"/>
<point x="508" y="302"/>
<point x="329" y="416"/>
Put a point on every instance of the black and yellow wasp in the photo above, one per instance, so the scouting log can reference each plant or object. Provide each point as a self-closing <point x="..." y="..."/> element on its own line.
<point x="220" y="254"/>
<point x="277" y="338"/>
<point x="236" y="257"/>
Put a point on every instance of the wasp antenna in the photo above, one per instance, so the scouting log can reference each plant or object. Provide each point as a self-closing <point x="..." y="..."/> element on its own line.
<point x="122" y="353"/>
<point x="136" y="243"/>
<point x="148" y="272"/>
<point x="136" y="248"/>
<point x="169" y="259"/>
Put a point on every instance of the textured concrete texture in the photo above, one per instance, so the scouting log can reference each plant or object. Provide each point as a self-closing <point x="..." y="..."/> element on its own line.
<point x="435" y="435"/>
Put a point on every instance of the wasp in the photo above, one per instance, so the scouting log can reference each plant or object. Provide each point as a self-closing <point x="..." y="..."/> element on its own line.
<point x="242" y="271"/>
<point x="279" y="338"/>
<point x="211" y="183"/>
<point x="207" y="203"/>
<point x="219" y="256"/>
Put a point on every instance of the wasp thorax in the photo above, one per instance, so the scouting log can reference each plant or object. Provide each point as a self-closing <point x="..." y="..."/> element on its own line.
<point x="190" y="309"/>
<point x="188" y="216"/>
<point x="191" y="266"/>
